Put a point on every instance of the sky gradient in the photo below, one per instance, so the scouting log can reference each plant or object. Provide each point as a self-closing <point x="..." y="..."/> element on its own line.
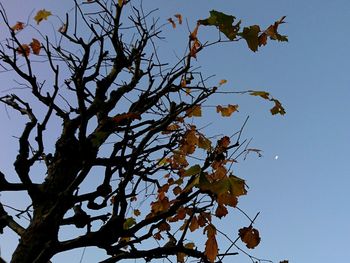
<point x="303" y="195"/>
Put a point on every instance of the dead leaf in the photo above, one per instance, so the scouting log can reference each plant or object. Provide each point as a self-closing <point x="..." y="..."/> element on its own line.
<point x="179" y="18"/>
<point x="42" y="15"/>
<point x="171" y="21"/>
<point x="36" y="46"/>
<point x="23" y="50"/>
<point x="250" y="236"/>
<point x="18" y="26"/>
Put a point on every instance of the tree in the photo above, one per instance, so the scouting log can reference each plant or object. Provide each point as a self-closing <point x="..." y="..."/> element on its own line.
<point x="126" y="122"/>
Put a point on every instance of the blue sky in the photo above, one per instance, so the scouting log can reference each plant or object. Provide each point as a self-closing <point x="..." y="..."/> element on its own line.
<point x="303" y="196"/>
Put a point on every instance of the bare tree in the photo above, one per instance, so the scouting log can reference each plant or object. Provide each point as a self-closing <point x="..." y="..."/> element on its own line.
<point x="126" y="125"/>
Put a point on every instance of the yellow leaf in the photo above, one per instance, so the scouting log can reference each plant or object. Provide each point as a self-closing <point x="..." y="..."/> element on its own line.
<point x="36" y="46"/>
<point x="120" y="3"/>
<point x="42" y="15"/>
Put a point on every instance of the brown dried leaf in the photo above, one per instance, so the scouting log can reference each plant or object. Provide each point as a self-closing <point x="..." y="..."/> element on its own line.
<point x="250" y="236"/>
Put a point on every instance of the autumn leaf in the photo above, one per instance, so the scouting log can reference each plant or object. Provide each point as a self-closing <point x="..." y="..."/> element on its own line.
<point x="263" y="94"/>
<point x="262" y="39"/>
<point x="180" y="257"/>
<point x="42" y="15"/>
<point x="221" y="211"/>
<point x="223" y="22"/>
<point x="129" y="222"/>
<point x="126" y="116"/>
<point x="137" y="212"/>
<point x="171" y="21"/>
<point x="193" y="170"/>
<point x="222" y="82"/>
<point x="171" y="128"/>
<point x="251" y="35"/>
<point x="204" y="143"/>
<point x="121" y="2"/>
<point x="63" y="29"/>
<point x="194" y="33"/>
<point x="284" y="261"/>
<point x="179" y="18"/>
<point x="226" y="111"/>
<point x="194" y="48"/>
<point x="211" y="245"/>
<point x="195" y="111"/>
<point x="36" y="46"/>
<point x="250" y="236"/>
<point x="278" y="108"/>
<point x="193" y="224"/>
<point x="23" y="50"/>
<point x="18" y="26"/>
<point x="272" y="32"/>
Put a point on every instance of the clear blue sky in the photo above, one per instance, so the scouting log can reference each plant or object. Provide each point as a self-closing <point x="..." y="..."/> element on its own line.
<point x="303" y="196"/>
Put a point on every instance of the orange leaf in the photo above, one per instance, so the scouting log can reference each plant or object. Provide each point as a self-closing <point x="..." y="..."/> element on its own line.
<point x="179" y="18"/>
<point x="250" y="236"/>
<point x="36" y="46"/>
<point x="211" y="246"/>
<point x="23" y="50"/>
<point x="18" y="26"/>
<point x="194" y="48"/>
<point x="171" y="21"/>
<point x="222" y="82"/>
<point x="42" y="15"/>
<point x="194" y="33"/>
